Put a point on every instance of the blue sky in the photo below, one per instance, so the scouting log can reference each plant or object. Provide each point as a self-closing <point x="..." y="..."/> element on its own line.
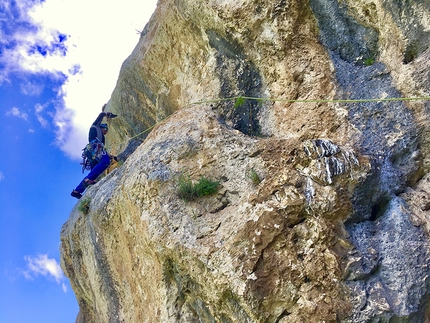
<point x="59" y="62"/>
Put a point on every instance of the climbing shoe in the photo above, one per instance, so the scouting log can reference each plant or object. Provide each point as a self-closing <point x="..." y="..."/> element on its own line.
<point x="76" y="194"/>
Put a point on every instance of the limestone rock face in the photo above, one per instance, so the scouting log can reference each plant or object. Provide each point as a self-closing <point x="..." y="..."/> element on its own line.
<point x="322" y="211"/>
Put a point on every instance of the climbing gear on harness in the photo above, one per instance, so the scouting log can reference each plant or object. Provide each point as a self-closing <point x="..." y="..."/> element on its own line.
<point x="92" y="151"/>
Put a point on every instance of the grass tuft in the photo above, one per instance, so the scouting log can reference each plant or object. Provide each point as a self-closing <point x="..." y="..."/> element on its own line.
<point x="84" y="206"/>
<point x="186" y="188"/>
<point x="206" y="186"/>
<point x="239" y="102"/>
<point x="189" y="191"/>
<point x="253" y="176"/>
<point x="369" y="61"/>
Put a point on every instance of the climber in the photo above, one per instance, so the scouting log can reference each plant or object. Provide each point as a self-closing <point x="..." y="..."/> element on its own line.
<point x="100" y="158"/>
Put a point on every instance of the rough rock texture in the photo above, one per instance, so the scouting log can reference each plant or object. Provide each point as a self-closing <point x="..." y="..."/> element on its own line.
<point x="337" y="230"/>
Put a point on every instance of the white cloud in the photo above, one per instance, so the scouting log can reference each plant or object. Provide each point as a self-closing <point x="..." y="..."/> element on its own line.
<point x="1" y="176"/>
<point x="23" y="40"/>
<point x="31" y="89"/>
<point x="84" y="41"/>
<point x="38" y="111"/>
<point x="42" y="265"/>
<point x="15" y="112"/>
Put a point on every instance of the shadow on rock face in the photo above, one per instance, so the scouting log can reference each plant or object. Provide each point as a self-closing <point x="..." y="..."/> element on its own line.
<point x="238" y="77"/>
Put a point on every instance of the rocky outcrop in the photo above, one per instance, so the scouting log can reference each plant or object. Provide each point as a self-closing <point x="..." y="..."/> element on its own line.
<point x="322" y="210"/>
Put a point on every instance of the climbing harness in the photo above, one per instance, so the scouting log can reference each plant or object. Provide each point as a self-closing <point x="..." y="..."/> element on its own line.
<point x="92" y="151"/>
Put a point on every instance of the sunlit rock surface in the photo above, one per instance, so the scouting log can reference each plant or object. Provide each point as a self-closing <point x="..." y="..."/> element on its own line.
<point x="322" y="213"/>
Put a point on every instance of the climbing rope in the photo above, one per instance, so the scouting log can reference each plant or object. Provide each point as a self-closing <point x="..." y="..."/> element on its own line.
<point x="243" y="98"/>
<point x="239" y="100"/>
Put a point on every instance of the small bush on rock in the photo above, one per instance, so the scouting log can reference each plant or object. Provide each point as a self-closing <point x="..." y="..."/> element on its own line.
<point x="84" y="206"/>
<point x="189" y="191"/>
<point x="186" y="188"/>
<point x="369" y="61"/>
<point x="253" y="176"/>
<point x="206" y="186"/>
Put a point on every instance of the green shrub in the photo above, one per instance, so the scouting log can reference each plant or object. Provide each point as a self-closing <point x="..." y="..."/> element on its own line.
<point x="206" y="186"/>
<point x="253" y="176"/>
<point x="239" y="102"/>
<point x="84" y="206"/>
<point x="186" y="188"/>
<point x="369" y="61"/>
<point x="189" y="191"/>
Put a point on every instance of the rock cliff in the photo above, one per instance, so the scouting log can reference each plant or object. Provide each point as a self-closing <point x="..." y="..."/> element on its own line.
<point x="322" y="212"/>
